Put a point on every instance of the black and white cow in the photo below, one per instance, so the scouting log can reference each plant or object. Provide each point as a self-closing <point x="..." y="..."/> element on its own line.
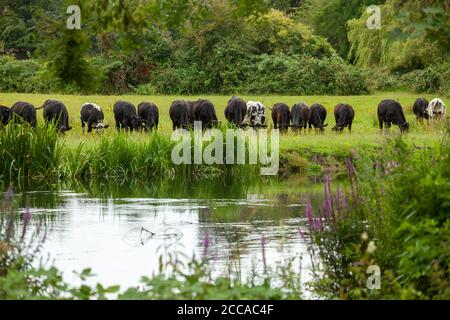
<point x="318" y="117"/>
<point x="281" y="116"/>
<point x="179" y="114"/>
<point x="235" y="111"/>
<point x="436" y="109"/>
<point x="391" y="112"/>
<point x="150" y="115"/>
<point x="344" y="115"/>
<point x="126" y="117"/>
<point x="300" y="114"/>
<point x="256" y="115"/>
<point x="24" y="112"/>
<point x="5" y="114"/>
<point x="92" y="115"/>
<point x="420" y="109"/>
<point x="56" y="112"/>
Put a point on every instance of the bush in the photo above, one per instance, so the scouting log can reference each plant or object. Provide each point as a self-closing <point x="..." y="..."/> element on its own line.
<point x="367" y="226"/>
<point x="24" y="76"/>
<point x="430" y="80"/>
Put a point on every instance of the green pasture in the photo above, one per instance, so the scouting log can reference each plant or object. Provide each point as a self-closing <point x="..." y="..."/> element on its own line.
<point x="365" y="129"/>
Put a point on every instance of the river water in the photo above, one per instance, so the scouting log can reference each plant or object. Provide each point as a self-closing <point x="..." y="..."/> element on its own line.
<point x="120" y="230"/>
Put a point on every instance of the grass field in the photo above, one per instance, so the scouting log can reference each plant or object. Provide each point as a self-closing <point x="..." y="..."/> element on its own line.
<point x="365" y="133"/>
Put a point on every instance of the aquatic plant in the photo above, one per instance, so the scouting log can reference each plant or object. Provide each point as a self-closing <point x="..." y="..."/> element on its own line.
<point x="395" y="217"/>
<point x="29" y="153"/>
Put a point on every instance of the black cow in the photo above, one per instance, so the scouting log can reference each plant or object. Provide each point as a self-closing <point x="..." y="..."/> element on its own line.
<point x="420" y="109"/>
<point x="24" y="112"/>
<point x="56" y="112"/>
<point x="179" y="114"/>
<point x="391" y="112"/>
<point x="344" y="115"/>
<point x="126" y="117"/>
<point x="205" y="112"/>
<point x="300" y="115"/>
<point x="235" y="111"/>
<point x="5" y="114"/>
<point x="318" y="117"/>
<point x="92" y="114"/>
<point x="281" y="116"/>
<point x="150" y="115"/>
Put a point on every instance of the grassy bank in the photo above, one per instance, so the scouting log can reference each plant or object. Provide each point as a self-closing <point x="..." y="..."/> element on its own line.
<point x="114" y="155"/>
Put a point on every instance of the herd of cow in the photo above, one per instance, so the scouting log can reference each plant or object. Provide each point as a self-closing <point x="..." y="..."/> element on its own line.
<point x="238" y="112"/>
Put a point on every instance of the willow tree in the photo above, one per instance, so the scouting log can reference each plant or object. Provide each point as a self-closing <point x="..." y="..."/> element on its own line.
<point x="396" y="45"/>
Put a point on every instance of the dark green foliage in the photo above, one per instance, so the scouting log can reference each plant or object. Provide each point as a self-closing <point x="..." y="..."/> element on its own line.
<point x="397" y="219"/>
<point x="28" y="76"/>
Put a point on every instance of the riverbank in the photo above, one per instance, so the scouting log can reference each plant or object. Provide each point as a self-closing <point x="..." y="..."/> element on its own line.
<point x="117" y="156"/>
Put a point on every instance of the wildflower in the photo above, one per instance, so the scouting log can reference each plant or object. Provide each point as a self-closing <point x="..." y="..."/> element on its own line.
<point x="263" y="248"/>
<point x="206" y="244"/>
<point x="364" y="236"/>
<point x="309" y="212"/>
<point x="371" y="247"/>
<point x="26" y="220"/>
<point x="9" y="193"/>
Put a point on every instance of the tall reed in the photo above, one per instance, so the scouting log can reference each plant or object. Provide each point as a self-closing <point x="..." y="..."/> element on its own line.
<point x="29" y="153"/>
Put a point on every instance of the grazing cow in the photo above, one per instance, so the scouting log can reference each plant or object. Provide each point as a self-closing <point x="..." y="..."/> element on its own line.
<point x="126" y="117"/>
<point x="179" y="114"/>
<point x="24" y="112"/>
<point x="391" y="112"/>
<point x="92" y="114"/>
<point x="420" y="109"/>
<point x="318" y="117"/>
<point x="202" y="111"/>
<point x="56" y="112"/>
<point x="256" y="114"/>
<point x="5" y="114"/>
<point x="300" y="115"/>
<point x="436" y="109"/>
<point x="281" y="116"/>
<point x="205" y="112"/>
<point x="344" y="115"/>
<point x="150" y="115"/>
<point x="236" y="111"/>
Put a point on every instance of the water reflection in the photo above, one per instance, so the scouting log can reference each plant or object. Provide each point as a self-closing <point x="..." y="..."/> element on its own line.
<point x="119" y="229"/>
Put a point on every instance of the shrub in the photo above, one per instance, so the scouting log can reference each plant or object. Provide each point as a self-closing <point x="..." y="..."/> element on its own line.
<point x="368" y="225"/>
<point x="24" y="76"/>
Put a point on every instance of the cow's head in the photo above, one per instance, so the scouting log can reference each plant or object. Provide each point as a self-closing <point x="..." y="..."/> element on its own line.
<point x="136" y="123"/>
<point x="404" y="127"/>
<point x="322" y="128"/>
<point x="101" y="126"/>
<point x="338" y="128"/>
<point x="65" y="129"/>
<point x="5" y="115"/>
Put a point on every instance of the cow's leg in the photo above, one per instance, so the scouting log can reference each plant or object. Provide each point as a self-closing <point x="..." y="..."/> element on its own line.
<point x="380" y="121"/>
<point x="89" y="126"/>
<point x="83" y="125"/>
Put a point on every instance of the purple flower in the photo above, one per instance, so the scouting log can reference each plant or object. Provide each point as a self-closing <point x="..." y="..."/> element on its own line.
<point x="9" y="193"/>
<point x="206" y="244"/>
<point x="309" y="213"/>
<point x="317" y="225"/>
<point x="26" y="221"/>
<point x="263" y="248"/>
<point x="302" y="235"/>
